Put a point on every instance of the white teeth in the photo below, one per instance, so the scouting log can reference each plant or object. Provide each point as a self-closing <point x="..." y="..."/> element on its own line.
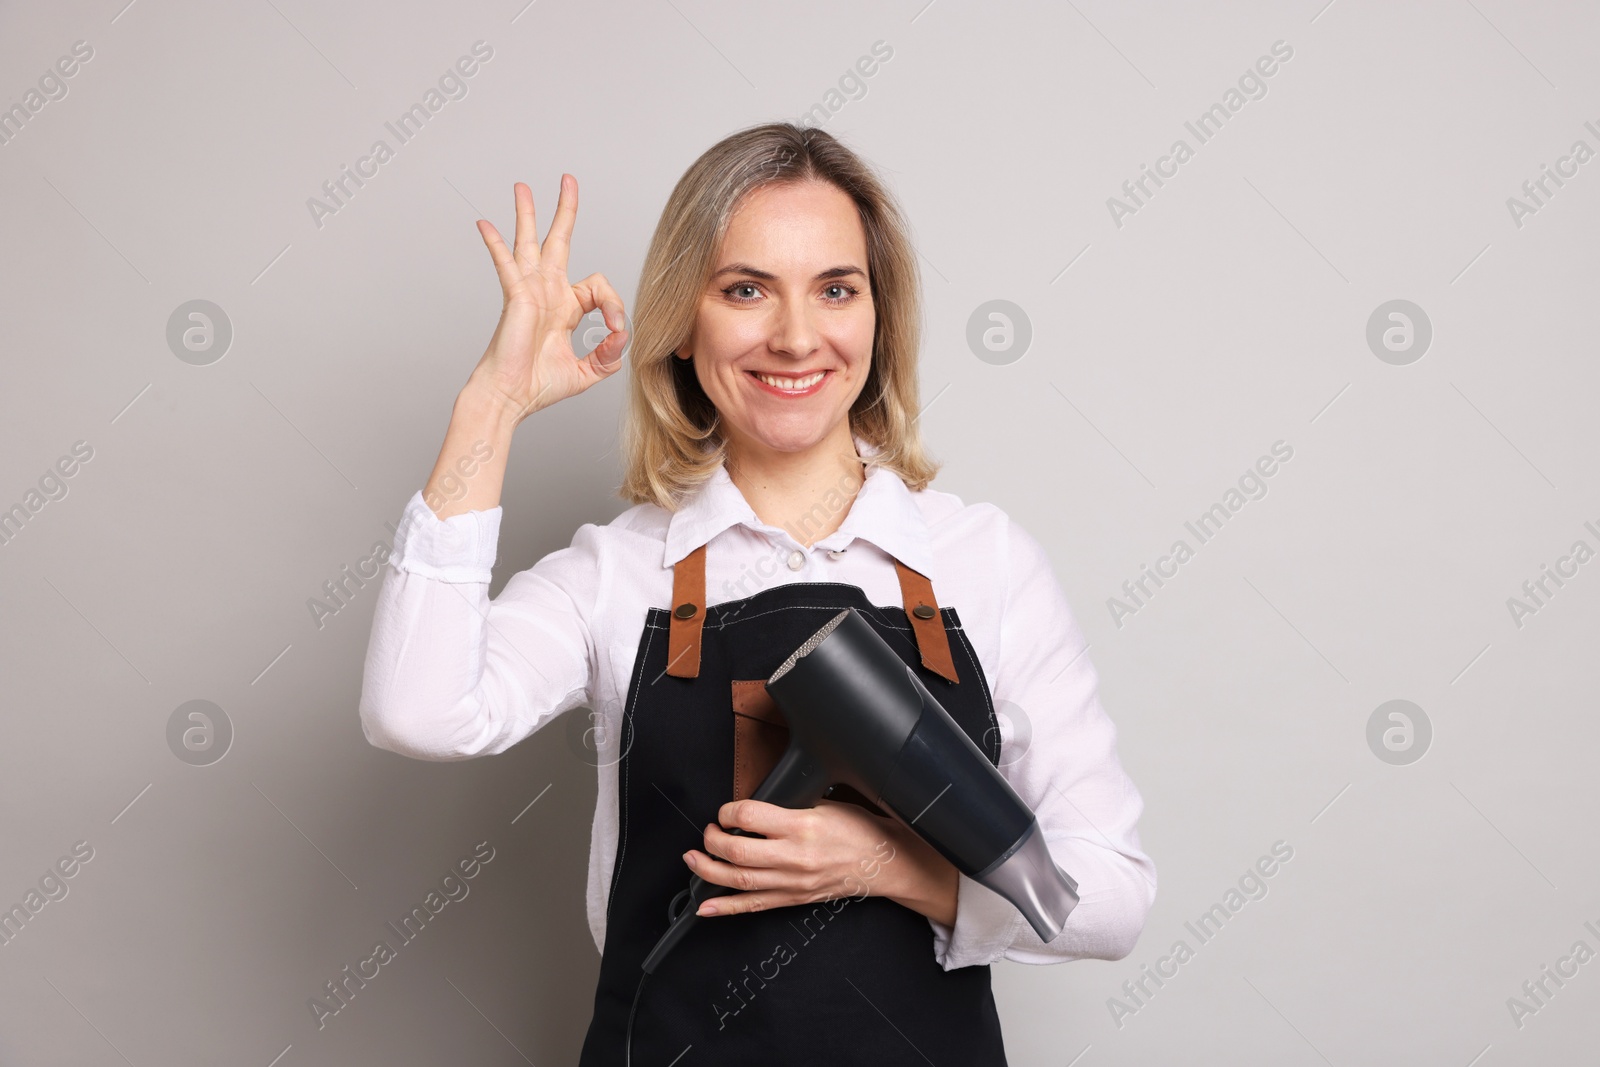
<point x="792" y="383"/>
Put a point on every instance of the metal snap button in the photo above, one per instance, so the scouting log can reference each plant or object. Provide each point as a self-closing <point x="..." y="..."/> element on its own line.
<point x="797" y="559"/>
<point x="923" y="611"/>
<point x="685" y="610"/>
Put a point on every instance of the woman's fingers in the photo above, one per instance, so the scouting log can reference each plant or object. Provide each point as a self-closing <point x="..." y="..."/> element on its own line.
<point x="504" y="264"/>
<point x="743" y="851"/>
<point x="527" y="237"/>
<point x="804" y="855"/>
<point x="794" y="840"/>
<point x="722" y="872"/>
<point x="553" y="252"/>
<point x="606" y="357"/>
<point x="596" y="292"/>
<point x="758" y="888"/>
<point x="775" y="820"/>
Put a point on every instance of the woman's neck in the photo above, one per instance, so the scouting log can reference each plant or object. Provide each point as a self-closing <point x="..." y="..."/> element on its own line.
<point x="807" y="493"/>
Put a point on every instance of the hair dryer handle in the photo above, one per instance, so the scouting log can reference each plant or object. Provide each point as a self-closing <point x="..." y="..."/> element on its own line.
<point x="798" y="781"/>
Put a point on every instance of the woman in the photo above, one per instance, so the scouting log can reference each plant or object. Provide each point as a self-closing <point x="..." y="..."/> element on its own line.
<point x="774" y="464"/>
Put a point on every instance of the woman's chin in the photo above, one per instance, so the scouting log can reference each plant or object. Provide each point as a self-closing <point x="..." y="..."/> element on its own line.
<point x="787" y="438"/>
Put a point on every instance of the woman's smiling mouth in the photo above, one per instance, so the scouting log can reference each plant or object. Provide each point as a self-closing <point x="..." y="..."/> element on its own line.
<point x="790" y="385"/>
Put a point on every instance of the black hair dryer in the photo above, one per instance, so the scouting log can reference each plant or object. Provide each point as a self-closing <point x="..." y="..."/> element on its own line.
<point x="857" y="714"/>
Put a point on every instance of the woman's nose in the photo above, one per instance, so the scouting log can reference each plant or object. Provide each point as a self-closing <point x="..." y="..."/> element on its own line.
<point x="794" y="332"/>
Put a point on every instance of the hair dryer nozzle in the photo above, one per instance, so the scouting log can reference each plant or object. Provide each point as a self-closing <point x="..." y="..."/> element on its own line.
<point x="1029" y="878"/>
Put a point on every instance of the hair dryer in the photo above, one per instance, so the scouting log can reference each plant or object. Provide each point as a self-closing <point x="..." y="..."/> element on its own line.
<point x="858" y="715"/>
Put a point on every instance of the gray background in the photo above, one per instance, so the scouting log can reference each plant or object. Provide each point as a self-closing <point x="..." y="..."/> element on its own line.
<point x="1167" y="354"/>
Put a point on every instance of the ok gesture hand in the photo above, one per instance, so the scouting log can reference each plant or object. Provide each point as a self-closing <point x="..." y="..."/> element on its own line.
<point x="530" y="363"/>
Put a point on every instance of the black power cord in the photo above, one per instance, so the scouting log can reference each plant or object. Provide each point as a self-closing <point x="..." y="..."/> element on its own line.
<point x="674" y="909"/>
<point x="631" y="1011"/>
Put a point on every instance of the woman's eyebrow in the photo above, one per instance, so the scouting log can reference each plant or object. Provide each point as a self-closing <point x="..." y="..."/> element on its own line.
<point x="768" y="276"/>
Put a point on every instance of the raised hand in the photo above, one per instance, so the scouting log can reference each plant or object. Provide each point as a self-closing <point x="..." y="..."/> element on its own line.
<point x="530" y="363"/>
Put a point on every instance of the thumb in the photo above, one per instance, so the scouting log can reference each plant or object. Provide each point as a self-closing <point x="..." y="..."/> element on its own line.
<point x="607" y="355"/>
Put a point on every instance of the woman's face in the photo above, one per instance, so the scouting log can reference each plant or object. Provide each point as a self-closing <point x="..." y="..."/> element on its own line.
<point x="789" y="300"/>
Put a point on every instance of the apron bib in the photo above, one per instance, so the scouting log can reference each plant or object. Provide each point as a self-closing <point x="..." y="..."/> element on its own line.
<point x="852" y="980"/>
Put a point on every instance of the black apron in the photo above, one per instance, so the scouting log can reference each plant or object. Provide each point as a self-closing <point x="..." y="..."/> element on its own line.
<point x="848" y="981"/>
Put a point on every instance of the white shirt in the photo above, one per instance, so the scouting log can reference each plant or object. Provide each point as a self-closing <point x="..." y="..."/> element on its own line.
<point x="451" y="674"/>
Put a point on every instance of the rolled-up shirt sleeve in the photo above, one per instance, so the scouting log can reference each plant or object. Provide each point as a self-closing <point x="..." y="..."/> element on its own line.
<point x="1059" y="752"/>
<point x="449" y="673"/>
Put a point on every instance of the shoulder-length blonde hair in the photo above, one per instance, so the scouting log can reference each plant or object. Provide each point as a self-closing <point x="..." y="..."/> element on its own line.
<point x="671" y="435"/>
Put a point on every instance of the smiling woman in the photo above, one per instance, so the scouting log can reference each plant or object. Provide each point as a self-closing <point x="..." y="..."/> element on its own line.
<point x="779" y="253"/>
<point x="770" y="433"/>
<point x="782" y="352"/>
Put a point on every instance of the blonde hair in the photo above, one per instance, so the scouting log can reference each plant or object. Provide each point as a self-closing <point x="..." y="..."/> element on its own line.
<point x="671" y="435"/>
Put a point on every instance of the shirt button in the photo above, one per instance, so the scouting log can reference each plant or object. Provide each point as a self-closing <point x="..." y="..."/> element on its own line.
<point x="835" y="553"/>
<point x="797" y="559"/>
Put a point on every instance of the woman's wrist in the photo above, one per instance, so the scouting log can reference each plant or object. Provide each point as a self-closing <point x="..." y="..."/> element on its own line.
<point x="925" y="882"/>
<point x="471" y="467"/>
<point x="486" y="410"/>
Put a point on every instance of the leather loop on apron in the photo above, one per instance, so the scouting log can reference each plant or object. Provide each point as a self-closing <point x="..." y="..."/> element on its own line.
<point x="689" y="615"/>
<point x="923" y="611"/>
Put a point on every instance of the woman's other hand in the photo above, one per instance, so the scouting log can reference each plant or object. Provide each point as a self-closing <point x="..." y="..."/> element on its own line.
<point x="530" y="363"/>
<point x="821" y="853"/>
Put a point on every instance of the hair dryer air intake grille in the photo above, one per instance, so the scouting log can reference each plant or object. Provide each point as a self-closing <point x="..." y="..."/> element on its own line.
<point x="811" y="642"/>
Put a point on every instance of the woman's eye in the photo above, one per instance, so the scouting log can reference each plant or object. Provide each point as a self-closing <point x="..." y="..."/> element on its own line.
<point x="837" y="293"/>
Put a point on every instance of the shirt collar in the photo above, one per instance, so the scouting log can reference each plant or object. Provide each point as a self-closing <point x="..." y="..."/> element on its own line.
<point x="883" y="513"/>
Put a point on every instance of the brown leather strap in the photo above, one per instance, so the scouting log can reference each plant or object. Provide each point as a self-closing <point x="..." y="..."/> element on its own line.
<point x="688" y="614"/>
<point x="916" y="592"/>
